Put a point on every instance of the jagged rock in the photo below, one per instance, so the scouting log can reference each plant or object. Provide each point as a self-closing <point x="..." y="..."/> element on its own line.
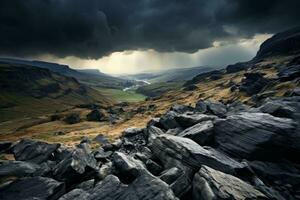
<point x="79" y="166"/>
<point x="253" y="135"/>
<point x="253" y="83"/>
<point x="73" y="118"/>
<point x="211" y="184"/>
<point x="211" y="107"/>
<point x="100" y="154"/>
<point x="168" y="120"/>
<point x="289" y="73"/>
<point x="153" y="167"/>
<point x="76" y="194"/>
<point x="127" y="166"/>
<point x="181" y="109"/>
<point x="61" y="153"/>
<point x="5" y="146"/>
<point x="188" y="120"/>
<point x="132" y="131"/>
<point x="286" y="172"/>
<point x="237" y="107"/>
<point x="154" y="122"/>
<point x="172" y="149"/>
<point x="153" y="131"/>
<point x="32" y="188"/>
<point x="105" y="170"/>
<point x="277" y="109"/>
<point x="174" y="131"/>
<point x="86" y="185"/>
<point x="202" y="133"/>
<point x="17" y="168"/>
<point x="95" y="115"/>
<point x="179" y="178"/>
<point x="146" y="187"/>
<point x="33" y="151"/>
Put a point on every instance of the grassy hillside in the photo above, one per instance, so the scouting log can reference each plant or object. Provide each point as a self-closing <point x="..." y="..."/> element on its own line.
<point x="157" y="89"/>
<point x="27" y="91"/>
<point x="88" y="77"/>
<point x="121" y="96"/>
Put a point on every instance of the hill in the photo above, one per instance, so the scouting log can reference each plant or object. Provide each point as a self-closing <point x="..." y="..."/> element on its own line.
<point x="170" y="75"/>
<point x="28" y="91"/>
<point x="89" y="77"/>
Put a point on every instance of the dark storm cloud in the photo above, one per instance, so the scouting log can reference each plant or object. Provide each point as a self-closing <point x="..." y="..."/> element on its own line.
<point x="93" y="28"/>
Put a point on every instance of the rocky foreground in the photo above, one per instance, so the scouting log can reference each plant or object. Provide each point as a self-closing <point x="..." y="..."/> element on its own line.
<point x="211" y="151"/>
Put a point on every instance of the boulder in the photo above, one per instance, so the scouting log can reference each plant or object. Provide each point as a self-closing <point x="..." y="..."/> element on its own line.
<point x="211" y="184"/>
<point x="181" y="108"/>
<point x="289" y="73"/>
<point x="132" y="131"/>
<point x="100" y="154"/>
<point x="171" y="150"/>
<point x="95" y="115"/>
<point x="33" y="151"/>
<point x="18" y="168"/>
<point x="73" y="118"/>
<point x="76" y="194"/>
<point x="188" y="120"/>
<point x="86" y="185"/>
<point x="253" y="83"/>
<point x="38" y="188"/>
<point x="285" y="172"/>
<point x="179" y="178"/>
<point x="168" y="120"/>
<point x="81" y="165"/>
<point x="202" y="133"/>
<point x="211" y="107"/>
<point x="254" y="135"/>
<point x="146" y="187"/>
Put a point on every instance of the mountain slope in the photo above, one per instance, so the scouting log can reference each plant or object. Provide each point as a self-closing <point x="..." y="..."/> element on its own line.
<point x="28" y="91"/>
<point x="170" y="75"/>
<point x="84" y="76"/>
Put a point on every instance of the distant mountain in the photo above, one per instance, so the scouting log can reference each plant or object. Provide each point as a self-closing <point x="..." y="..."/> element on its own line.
<point x="29" y="90"/>
<point x="89" y="77"/>
<point x="171" y="75"/>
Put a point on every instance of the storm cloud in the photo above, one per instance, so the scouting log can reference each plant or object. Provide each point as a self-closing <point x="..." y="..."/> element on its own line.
<point x="95" y="28"/>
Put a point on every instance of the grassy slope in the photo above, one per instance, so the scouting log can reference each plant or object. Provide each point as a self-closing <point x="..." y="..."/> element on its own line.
<point x="121" y="96"/>
<point x="157" y="89"/>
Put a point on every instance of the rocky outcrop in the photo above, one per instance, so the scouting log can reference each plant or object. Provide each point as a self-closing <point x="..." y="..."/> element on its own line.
<point x="33" y="151"/>
<point x="253" y="135"/>
<point x="32" y="188"/>
<point x="210" y="151"/>
<point x="253" y="83"/>
<point x="95" y="115"/>
<point x="212" y="184"/>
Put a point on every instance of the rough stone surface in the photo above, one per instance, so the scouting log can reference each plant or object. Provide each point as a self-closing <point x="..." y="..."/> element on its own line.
<point x="212" y="184"/>
<point x="33" y="151"/>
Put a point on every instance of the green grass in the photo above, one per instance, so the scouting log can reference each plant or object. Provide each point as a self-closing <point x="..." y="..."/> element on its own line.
<point x="121" y="96"/>
<point x="156" y="89"/>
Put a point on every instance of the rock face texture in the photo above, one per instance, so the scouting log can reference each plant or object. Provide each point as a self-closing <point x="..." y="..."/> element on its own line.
<point x="210" y="151"/>
<point x="211" y="184"/>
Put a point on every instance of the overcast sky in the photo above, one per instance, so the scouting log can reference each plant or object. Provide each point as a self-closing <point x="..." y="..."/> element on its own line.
<point x="120" y="36"/>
